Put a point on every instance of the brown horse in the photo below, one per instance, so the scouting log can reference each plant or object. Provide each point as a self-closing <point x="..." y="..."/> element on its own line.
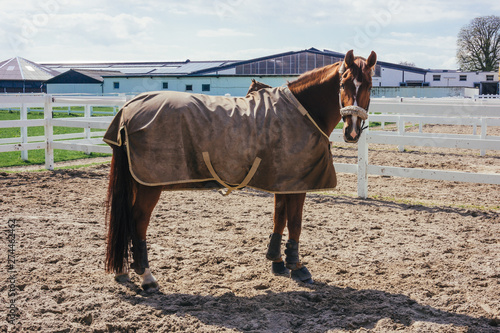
<point x="340" y="90"/>
<point x="256" y="86"/>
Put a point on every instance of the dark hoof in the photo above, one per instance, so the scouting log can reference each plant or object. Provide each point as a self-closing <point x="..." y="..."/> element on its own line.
<point x="302" y="275"/>
<point x="122" y="278"/>
<point x="278" y="268"/>
<point x="151" y="287"/>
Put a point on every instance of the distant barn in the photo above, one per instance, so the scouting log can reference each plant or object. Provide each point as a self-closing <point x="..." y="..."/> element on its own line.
<point x="18" y="75"/>
<point x="230" y="76"/>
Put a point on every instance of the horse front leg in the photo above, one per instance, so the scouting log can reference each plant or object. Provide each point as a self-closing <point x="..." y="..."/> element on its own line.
<point x="294" y="210"/>
<point x="274" y="247"/>
<point x="145" y="201"/>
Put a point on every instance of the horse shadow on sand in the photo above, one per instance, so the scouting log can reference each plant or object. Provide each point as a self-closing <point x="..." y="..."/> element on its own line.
<point x="322" y="308"/>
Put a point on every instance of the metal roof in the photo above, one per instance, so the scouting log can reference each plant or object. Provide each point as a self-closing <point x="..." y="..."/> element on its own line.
<point x="20" y="69"/>
<point x="146" y="68"/>
<point x="83" y="76"/>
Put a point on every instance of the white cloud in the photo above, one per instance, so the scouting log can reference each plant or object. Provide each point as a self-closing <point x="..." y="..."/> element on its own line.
<point x="223" y="32"/>
<point x="403" y="34"/>
<point x="421" y="31"/>
<point x="101" y="28"/>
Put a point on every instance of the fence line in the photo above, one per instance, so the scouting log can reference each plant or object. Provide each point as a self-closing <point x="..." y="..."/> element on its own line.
<point x="400" y="111"/>
<point x="486" y="96"/>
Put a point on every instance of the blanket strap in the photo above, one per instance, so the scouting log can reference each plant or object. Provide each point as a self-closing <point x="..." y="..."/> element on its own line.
<point x="251" y="173"/>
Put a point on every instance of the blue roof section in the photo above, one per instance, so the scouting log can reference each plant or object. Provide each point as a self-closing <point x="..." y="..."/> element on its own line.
<point x="244" y="62"/>
<point x="311" y="50"/>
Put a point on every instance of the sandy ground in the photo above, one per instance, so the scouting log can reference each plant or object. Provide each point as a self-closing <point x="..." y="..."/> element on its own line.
<point x="417" y="256"/>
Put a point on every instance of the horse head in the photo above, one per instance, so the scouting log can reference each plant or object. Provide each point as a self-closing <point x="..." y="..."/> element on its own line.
<point x="355" y="85"/>
<point x="256" y="85"/>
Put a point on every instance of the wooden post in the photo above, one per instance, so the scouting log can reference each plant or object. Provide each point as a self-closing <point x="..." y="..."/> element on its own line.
<point x="24" y="131"/>
<point x="49" y="133"/>
<point x="363" y="165"/>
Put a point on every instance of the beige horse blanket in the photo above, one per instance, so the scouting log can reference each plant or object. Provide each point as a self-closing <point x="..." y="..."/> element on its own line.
<point x="265" y="140"/>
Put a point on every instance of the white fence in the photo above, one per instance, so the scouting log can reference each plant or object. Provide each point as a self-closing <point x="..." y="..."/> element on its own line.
<point x="486" y="96"/>
<point x="447" y="111"/>
<point x="474" y="113"/>
<point x="88" y="141"/>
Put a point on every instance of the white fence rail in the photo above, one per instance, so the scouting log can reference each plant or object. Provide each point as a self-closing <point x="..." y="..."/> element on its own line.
<point x="483" y="113"/>
<point x="487" y="96"/>
<point x="444" y="111"/>
<point x="87" y="141"/>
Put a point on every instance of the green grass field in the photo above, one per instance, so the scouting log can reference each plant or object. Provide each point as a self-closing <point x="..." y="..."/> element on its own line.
<point x="38" y="156"/>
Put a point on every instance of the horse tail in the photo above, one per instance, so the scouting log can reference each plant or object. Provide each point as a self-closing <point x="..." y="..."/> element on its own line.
<point x="120" y="225"/>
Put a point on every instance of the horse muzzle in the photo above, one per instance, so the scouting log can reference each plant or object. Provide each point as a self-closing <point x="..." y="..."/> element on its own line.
<point x="350" y="138"/>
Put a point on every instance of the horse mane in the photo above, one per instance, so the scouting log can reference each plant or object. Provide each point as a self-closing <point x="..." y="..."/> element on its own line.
<point x="314" y="77"/>
<point x="317" y="76"/>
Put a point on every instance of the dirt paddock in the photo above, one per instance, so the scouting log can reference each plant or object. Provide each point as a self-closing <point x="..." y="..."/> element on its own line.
<point x="417" y="256"/>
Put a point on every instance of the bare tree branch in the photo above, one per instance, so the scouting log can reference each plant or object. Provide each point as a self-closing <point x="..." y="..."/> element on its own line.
<point x="478" y="44"/>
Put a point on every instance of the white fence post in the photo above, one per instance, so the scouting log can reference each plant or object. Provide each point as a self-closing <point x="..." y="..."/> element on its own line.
<point x="87" y="114"/>
<point x="401" y="131"/>
<point x="24" y="131"/>
<point x="363" y="165"/>
<point x="49" y="133"/>
<point x="484" y="129"/>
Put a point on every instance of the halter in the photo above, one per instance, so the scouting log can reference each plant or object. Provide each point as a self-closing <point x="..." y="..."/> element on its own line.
<point x="351" y="110"/>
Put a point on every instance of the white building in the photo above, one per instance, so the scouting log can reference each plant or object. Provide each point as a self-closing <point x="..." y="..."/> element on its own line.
<point x="234" y="77"/>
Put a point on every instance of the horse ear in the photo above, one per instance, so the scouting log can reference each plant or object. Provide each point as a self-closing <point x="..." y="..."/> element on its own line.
<point x="372" y="59"/>
<point x="349" y="58"/>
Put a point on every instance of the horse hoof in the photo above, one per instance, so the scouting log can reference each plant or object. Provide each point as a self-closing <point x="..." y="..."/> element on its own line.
<point x="149" y="283"/>
<point x="302" y="275"/>
<point x="151" y="287"/>
<point x="122" y="278"/>
<point x="279" y="269"/>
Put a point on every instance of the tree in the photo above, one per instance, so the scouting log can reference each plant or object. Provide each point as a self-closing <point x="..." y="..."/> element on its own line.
<point x="479" y="44"/>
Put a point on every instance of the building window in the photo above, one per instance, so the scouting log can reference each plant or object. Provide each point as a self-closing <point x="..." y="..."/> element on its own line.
<point x="116" y="85"/>
<point x="189" y="87"/>
<point x="205" y="87"/>
<point x="489" y="77"/>
<point x="165" y="85"/>
<point x="436" y="77"/>
<point x="463" y="77"/>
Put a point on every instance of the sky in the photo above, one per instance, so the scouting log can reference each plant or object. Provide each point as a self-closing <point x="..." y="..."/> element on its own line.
<point x="423" y="32"/>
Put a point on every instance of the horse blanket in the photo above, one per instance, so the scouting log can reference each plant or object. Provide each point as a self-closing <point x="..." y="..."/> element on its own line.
<point x="265" y="140"/>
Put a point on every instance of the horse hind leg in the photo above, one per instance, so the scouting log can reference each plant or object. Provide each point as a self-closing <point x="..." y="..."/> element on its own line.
<point x="299" y="272"/>
<point x="274" y="247"/>
<point x="146" y="200"/>
<point x="294" y="210"/>
<point x="274" y="254"/>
